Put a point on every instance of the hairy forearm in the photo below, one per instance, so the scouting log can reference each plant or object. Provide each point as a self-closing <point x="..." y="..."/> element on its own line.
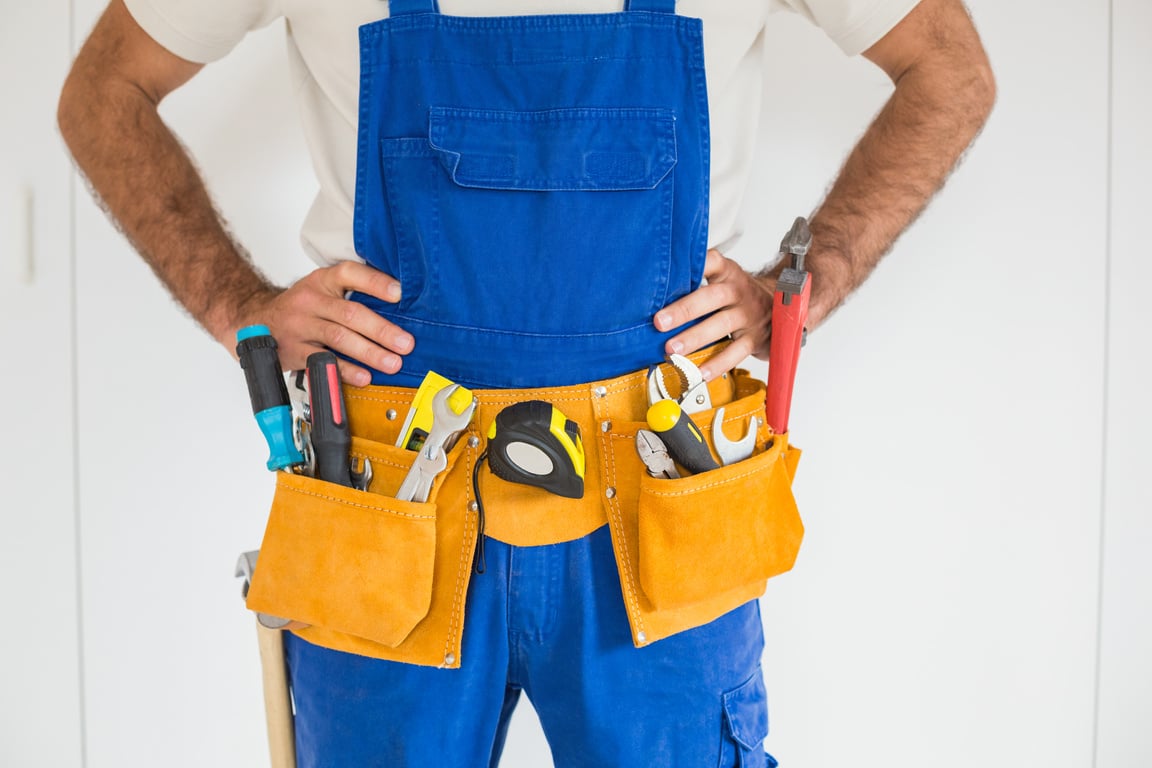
<point x="151" y="189"/>
<point x="901" y="161"/>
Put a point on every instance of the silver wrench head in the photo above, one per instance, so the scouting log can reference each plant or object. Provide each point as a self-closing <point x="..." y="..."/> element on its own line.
<point x="731" y="451"/>
<point x="432" y="458"/>
<point x="361" y="478"/>
<point x="446" y="422"/>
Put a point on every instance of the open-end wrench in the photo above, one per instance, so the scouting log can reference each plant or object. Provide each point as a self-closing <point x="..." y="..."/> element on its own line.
<point x="694" y="395"/>
<point x="655" y="456"/>
<point x="361" y="478"/>
<point x="731" y="451"/>
<point x="432" y="458"/>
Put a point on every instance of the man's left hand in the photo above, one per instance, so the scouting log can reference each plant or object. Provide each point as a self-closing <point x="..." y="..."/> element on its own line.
<point x="734" y="304"/>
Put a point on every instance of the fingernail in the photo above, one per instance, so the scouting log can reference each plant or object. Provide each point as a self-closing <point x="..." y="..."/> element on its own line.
<point x="392" y="293"/>
<point x="362" y="379"/>
<point x="705" y="374"/>
<point x="676" y="346"/>
<point x="403" y="343"/>
<point x="662" y="321"/>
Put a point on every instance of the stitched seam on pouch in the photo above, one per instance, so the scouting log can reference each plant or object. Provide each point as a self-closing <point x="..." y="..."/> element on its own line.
<point x="697" y="489"/>
<point x="458" y="597"/>
<point x="378" y="399"/>
<point x="345" y="502"/>
<point x="614" y="506"/>
<point x="377" y="459"/>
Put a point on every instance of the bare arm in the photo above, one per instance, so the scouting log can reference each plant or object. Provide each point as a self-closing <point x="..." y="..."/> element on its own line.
<point x="944" y="93"/>
<point x="150" y="187"/>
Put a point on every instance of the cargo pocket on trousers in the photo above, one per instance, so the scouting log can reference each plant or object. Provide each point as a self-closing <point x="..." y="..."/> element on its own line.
<point x="717" y="531"/>
<point x="746" y="726"/>
<point x="351" y="561"/>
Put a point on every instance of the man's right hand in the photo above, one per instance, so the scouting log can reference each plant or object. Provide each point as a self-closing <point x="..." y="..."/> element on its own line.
<point x="313" y="314"/>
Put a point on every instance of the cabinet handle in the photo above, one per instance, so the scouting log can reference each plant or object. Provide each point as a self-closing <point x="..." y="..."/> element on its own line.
<point x="24" y="228"/>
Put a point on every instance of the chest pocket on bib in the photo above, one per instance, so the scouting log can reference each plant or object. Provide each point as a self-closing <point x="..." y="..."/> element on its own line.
<point x="533" y="222"/>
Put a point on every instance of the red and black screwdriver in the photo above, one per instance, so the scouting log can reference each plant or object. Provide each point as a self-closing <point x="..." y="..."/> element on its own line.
<point x="331" y="438"/>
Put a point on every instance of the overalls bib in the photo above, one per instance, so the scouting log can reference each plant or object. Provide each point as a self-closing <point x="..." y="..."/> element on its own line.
<point x="538" y="184"/>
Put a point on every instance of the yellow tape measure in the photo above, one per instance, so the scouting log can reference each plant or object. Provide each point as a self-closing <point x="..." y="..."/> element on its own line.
<point x="533" y="443"/>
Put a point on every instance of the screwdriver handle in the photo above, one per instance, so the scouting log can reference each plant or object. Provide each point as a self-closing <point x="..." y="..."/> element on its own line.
<point x="681" y="436"/>
<point x="331" y="439"/>
<point x="269" y="395"/>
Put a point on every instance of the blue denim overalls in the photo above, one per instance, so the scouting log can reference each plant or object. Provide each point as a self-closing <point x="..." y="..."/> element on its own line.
<point x="539" y="185"/>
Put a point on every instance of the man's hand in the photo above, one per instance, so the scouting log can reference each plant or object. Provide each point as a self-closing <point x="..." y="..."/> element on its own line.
<point x="149" y="186"/>
<point x="313" y="315"/>
<point x="944" y="93"/>
<point x="742" y="307"/>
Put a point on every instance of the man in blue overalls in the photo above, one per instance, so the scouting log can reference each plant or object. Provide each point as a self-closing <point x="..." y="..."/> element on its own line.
<point x="524" y="200"/>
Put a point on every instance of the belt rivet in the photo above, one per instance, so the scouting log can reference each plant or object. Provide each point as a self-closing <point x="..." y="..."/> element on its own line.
<point x="601" y="391"/>
<point x="391" y="414"/>
<point x="641" y="638"/>
<point x="449" y="659"/>
<point x="609" y="491"/>
<point x="605" y="426"/>
<point x="699" y="399"/>
<point x="473" y="506"/>
<point x="473" y="441"/>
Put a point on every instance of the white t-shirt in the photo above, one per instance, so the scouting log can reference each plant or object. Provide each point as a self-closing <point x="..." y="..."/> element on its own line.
<point x="323" y="46"/>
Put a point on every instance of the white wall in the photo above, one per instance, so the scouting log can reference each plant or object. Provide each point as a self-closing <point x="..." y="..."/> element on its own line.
<point x="962" y="482"/>
<point x="40" y="715"/>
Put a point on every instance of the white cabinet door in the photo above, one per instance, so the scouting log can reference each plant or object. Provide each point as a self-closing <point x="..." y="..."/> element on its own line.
<point x="172" y="463"/>
<point x="40" y="719"/>
<point x="1125" y="696"/>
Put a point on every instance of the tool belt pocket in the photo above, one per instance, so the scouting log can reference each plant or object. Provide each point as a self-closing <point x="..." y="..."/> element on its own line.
<point x="716" y="532"/>
<point x="691" y="549"/>
<point x="356" y="566"/>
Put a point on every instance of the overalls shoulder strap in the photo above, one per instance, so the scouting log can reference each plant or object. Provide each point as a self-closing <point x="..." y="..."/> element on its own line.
<point x="401" y="7"/>
<point x="654" y="6"/>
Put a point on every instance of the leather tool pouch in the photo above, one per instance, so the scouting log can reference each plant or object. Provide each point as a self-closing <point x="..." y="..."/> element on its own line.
<point x="368" y="573"/>
<point x="694" y="548"/>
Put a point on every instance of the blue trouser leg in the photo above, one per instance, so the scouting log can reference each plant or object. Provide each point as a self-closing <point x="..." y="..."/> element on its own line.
<point x="549" y="620"/>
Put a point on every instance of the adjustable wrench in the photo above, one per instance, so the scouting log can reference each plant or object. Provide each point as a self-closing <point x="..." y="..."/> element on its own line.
<point x="789" y="314"/>
<point x="432" y="458"/>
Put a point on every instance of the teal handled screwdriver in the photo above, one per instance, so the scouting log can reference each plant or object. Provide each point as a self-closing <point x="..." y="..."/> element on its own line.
<point x="269" y="395"/>
<point x="681" y="436"/>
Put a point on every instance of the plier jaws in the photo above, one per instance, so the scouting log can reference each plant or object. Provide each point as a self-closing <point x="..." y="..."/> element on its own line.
<point x="694" y="395"/>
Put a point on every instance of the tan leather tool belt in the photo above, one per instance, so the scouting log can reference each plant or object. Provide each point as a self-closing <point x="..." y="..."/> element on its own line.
<point x="370" y="574"/>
